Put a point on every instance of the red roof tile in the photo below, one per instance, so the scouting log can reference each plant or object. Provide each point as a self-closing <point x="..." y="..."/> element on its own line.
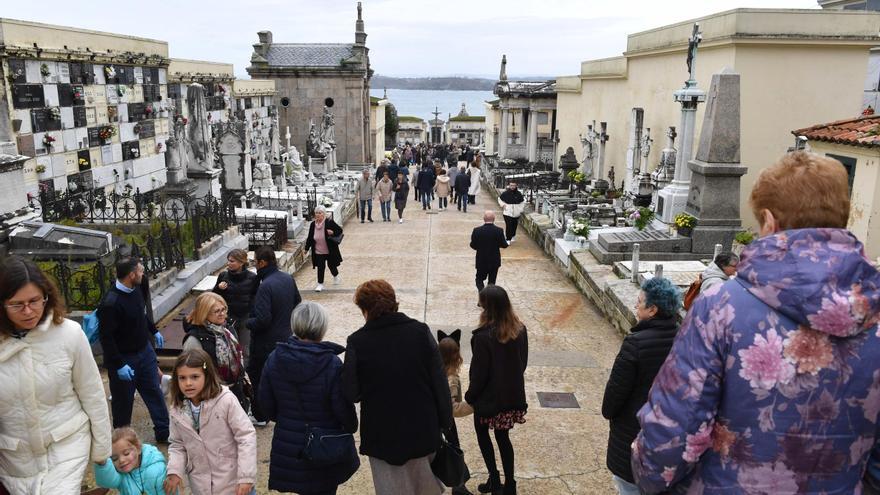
<point x="863" y="131"/>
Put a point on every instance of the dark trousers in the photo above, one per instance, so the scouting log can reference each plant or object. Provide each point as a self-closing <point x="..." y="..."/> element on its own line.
<point x="146" y="381"/>
<point x="442" y="202"/>
<point x="505" y="448"/>
<point x="482" y="273"/>
<point x="472" y="199"/>
<point x="510" y="224"/>
<point x="463" y="202"/>
<point x="366" y="205"/>
<point x="418" y="194"/>
<point x="259" y="354"/>
<point x="321" y="262"/>
<point x="426" y="200"/>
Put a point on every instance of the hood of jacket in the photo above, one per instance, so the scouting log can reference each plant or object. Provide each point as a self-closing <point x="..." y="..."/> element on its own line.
<point x="819" y="278"/>
<point x="310" y="359"/>
<point x="712" y="271"/>
<point x="150" y="455"/>
<point x="443" y="178"/>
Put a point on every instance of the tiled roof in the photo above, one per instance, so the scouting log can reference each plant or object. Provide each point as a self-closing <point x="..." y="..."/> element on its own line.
<point x="863" y="131"/>
<point x="308" y="54"/>
<point x="468" y="118"/>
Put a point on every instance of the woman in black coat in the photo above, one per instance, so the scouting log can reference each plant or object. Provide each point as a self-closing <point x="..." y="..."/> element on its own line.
<point x="642" y="354"/>
<point x="497" y="389"/>
<point x="310" y="396"/>
<point x="325" y="251"/>
<point x="237" y="286"/>
<point x="401" y="189"/>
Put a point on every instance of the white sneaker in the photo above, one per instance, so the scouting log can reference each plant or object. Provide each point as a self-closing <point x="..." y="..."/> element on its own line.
<point x="337" y="279"/>
<point x="319" y="288"/>
<point x="400" y="221"/>
<point x="512" y="238"/>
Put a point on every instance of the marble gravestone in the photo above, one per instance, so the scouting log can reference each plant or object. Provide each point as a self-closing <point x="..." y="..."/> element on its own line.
<point x="232" y="155"/>
<point x="716" y="172"/>
<point x="201" y="163"/>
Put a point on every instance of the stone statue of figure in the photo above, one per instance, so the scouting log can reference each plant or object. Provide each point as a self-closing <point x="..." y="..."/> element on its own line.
<point x="693" y="43"/>
<point x="589" y="151"/>
<point x="199" y="129"/>
<point x="314" y="145"/>
<point x="263" y="176"/>
<point x="293" y="162"/>
<point x="328" y="130"/>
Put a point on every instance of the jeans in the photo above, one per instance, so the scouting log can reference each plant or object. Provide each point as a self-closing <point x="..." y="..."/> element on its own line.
<point x="624" y="487"/>
<point x="443" y="202"/>
<point x="366" y="204"/>
<point x="321" y="263"/>
<point x="147" y="382"/>
<point x="426" y="200"/>
<point x="462" y="202"/>
<point x="482" y="273"/>
<point x="386" y="209"/>
<point x="510" y="224"/>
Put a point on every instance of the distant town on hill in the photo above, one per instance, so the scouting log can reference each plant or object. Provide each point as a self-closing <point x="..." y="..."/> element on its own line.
<point x="453" y="83"/>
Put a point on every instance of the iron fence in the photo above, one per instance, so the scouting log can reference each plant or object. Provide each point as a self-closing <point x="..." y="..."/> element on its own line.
<point x="264" y="231"/>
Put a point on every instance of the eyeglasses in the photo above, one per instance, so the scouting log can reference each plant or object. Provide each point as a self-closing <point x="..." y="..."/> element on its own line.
<point x="219" y="311"/>
<point x="35" y="305"/>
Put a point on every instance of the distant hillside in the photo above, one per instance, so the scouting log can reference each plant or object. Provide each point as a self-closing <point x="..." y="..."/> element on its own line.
<point x="432" y="83"/>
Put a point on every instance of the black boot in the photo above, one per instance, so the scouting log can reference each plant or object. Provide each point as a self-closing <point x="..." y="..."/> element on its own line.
<point x="509" y="487"/>
<point x="461" y="490"/>
<point x="492" y="485"/>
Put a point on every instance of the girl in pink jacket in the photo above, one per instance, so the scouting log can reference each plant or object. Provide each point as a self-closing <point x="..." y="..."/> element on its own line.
<point x="213" y="443"/>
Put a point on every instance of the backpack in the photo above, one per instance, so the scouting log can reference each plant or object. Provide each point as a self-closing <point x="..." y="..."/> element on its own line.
<point x="692" y="292"/>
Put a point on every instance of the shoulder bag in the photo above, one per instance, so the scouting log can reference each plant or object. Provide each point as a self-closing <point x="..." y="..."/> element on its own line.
<point x="325" y="446"/>
<point x="449" y="466"/>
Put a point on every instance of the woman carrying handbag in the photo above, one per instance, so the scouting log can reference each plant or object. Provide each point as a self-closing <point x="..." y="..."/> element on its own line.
<point x="323" y="239"/>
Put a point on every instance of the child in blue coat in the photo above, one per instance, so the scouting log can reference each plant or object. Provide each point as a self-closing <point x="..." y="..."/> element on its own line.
<point x="136" y="469"/>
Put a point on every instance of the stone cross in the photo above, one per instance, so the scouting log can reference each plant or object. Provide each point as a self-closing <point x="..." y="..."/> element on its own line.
<point x="603" y="138"/>
<point x="693" y="44"/>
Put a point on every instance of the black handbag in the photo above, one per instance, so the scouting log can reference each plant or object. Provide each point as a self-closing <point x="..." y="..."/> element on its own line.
<point x="449" y="466"/>
<point x="337" y="238"/>
<point x="326" y="447"/>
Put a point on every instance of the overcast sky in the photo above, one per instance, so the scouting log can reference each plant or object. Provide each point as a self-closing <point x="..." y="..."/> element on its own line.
<point x="405" y="37"/>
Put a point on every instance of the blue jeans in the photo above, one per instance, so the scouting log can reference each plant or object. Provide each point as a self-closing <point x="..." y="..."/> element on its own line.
<point x="146" y="382"/>
<point x="426" y="199"/>
<point x="462" y="202"/>
<point x="624" y="487"/>
<point x="386" y="209"/>
<point x="366" y="206"/>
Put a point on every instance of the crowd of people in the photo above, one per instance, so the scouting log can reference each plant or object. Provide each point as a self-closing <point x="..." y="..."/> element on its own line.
<point x="770" y="384"/>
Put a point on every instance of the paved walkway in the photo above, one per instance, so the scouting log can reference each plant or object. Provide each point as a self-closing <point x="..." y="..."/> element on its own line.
<point x="429" y="262"/>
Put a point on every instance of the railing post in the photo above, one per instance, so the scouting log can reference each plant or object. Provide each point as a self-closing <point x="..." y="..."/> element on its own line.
<point x="197" y="232"/>
<point x="634" y="267"/>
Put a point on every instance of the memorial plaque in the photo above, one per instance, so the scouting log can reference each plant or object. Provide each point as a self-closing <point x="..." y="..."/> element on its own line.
<point x="125" y="73"/>
<point x="26" y="145"/>
<point x="122" y="112"/>
<point x="65" y="95"/>
<point x="63" y="72"/>
<point x="67" y="118"/>
<point x="138" y="75"/>
<point x="28" y="96"/>
<point x="78" y="94"/>
<point x="148" y="129"/>
<point x="136" y="93"/>
<point x="163" y="76"/>
<point x="83" y="160"/>
<point x="112" y="94"/>
<point x="50" y="92"/>
<point x="91" y="116"/>
<point x="32" y="72"/>
<point x="82" y="137"/>
<point x="558" y="400"/>
<point x="76" y="73"/>
<point x="175" y="91"/>
<point x="126" y="131"/>
<point x="116" y="148"/>
<point x="23" y="115"/>
<point x="42" y="120"/>
<point x="17" y="71"/>
<point x="101" y="114"/>
<point x="131" y="150"/>
<point x="136" y="112"/>
<point x="94" y="138"/>
<point x="98" y="75"/>
<point x="95" y="156"/>
<point x="151" y="93"/>
<point x="107" y="154"/>
<point x="70" y="141"/>
<point x="79" y="117"/>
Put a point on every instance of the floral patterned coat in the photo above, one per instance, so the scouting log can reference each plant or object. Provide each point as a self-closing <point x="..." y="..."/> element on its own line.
<point x="773" y="383"/>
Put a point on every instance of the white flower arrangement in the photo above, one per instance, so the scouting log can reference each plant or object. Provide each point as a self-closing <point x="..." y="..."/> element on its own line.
<point x="325" y="201"/>
<point x="579" y="228"/>
<point x="508" y="161"/>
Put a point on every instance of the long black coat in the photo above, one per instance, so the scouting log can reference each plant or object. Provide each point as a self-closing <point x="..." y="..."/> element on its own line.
<point x="497" y="373"/>
<point x="269" y="323"/>
<point x="393" y="368"/>
<point x="642" y="354"/>
<point x="488" y="240"/>
<point x="302" y="385"/>
<point x="462" y="183"/>
<point x="335" y="257"/>
<point x="239" y="292"/>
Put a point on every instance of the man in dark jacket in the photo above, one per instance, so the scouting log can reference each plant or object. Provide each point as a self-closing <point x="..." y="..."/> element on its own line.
<point x="269" y="323"/>
<point x="487" y="241"/>
<point x="125" y="332"/>
<point x="425" y="185"/>
<point x="468" y="155"/>
<point x="462" y="184"/>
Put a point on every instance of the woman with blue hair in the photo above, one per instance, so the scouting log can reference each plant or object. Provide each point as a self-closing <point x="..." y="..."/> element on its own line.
<point x="642" y="354"/>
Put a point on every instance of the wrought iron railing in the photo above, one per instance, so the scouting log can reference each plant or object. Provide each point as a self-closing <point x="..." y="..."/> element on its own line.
<point x="264" y="231"/>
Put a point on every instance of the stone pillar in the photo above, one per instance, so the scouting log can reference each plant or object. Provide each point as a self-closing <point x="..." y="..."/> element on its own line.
<point x="502" y="142"/>
<point x="634" y="152"/>
<point x="672" y="199"/>
<point x="532" y="142"/>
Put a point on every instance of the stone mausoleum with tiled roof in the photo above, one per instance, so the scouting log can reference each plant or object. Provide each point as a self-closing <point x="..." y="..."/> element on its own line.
<point x="309" y="76"/>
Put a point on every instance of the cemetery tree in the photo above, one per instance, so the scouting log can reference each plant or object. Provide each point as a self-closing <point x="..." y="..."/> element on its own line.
<point x="392" y="124"/>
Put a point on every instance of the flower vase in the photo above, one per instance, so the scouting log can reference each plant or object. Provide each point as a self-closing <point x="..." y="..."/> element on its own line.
<point x="568" y="237"/>
<point x="686" y="231"/>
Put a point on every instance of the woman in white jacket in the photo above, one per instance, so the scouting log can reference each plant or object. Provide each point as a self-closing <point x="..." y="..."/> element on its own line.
<point x="53" y="411"/>
<point x="474" y="171"/>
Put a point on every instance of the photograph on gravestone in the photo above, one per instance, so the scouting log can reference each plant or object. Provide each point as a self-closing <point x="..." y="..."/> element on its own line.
<point x="28" y="96"/>
<point x="95" y="137"/>
<point x="65" y="95"/>
<point x="79" y="117"/>
<point x="147" y="129"/>
<point x="83" y="160"/>
<point x="131" y="150"/>
<point x="112" y="113"/>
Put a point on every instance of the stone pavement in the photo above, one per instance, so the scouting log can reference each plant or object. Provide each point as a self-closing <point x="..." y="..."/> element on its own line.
<point x="428" y="261"/>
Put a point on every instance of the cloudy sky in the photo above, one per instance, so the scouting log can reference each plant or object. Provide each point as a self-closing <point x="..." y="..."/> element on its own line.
<point x="405" y="37"/>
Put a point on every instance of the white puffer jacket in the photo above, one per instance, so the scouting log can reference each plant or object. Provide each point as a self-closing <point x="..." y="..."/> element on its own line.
<point x="53" y="410"/>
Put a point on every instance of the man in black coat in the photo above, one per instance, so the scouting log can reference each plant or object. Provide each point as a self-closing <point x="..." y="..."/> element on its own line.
<point x="269" y="323"/>
<point x="425" y="184"/>
<point x="488" y="241"/>
<point x="462" y="184"/>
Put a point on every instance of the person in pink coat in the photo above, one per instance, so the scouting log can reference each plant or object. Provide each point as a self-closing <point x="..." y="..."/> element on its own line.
<point x="213" y="443"/>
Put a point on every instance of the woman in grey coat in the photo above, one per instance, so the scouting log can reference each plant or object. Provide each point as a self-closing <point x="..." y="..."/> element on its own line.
<point x="719" y="271"/>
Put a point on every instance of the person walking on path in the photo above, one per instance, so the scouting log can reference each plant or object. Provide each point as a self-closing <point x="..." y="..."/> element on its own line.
<point x="381" y="170"/>
<point x="270" y="318"/>
<point x="512" y="202"/>
<point x="207" y="329"/>
<point x="450" y="353"/>
<point x="487" y="240"/>
<point x="366" y="190"/>
<point x="474" y="171"/>
<point x="125" y="333"/>
<point x="462" y="186"/>
<point x="237" y="286"/>
<point x="393" y="368"/>
<point x="53" y="411"/>
<point x="325" y="250"/>
<point x="401" y="191"/>
<point x="500" y="350"/>
<point x="311" y="397"/>
<point x="642" y="354"/>
<point x="443" y="189"/>
<point x="452" y="173"/>
<point x="773" y="382"/>
<point x="386" y="193"/>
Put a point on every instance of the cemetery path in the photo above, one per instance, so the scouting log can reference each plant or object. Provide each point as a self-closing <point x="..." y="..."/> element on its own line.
<point x="431" y="266"/>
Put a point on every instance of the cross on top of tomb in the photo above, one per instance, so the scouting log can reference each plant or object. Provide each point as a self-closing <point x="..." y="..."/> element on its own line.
<point x="693" y="44"/>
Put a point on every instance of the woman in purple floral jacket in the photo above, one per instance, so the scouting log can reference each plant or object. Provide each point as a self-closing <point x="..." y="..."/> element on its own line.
<point x="773" y="383"/>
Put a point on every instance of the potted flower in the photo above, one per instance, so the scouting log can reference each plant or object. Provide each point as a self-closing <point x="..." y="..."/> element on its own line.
<point x="741" y="240"/>
<point x="40" y="169"/>
<point x="684" y="223"/>
<point x="83" y="164"/>
<point x="55" y="113"/>
<point x="120" y="90"/>
<point x="48" y="142"/>
<point x="106" y="132"/>
<point x="137" y="129"/>
<point x="640" y="217"/>
<point x="579" y="228"/>
<point x="148" y="110"/>
<point x="44" y="70"/>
